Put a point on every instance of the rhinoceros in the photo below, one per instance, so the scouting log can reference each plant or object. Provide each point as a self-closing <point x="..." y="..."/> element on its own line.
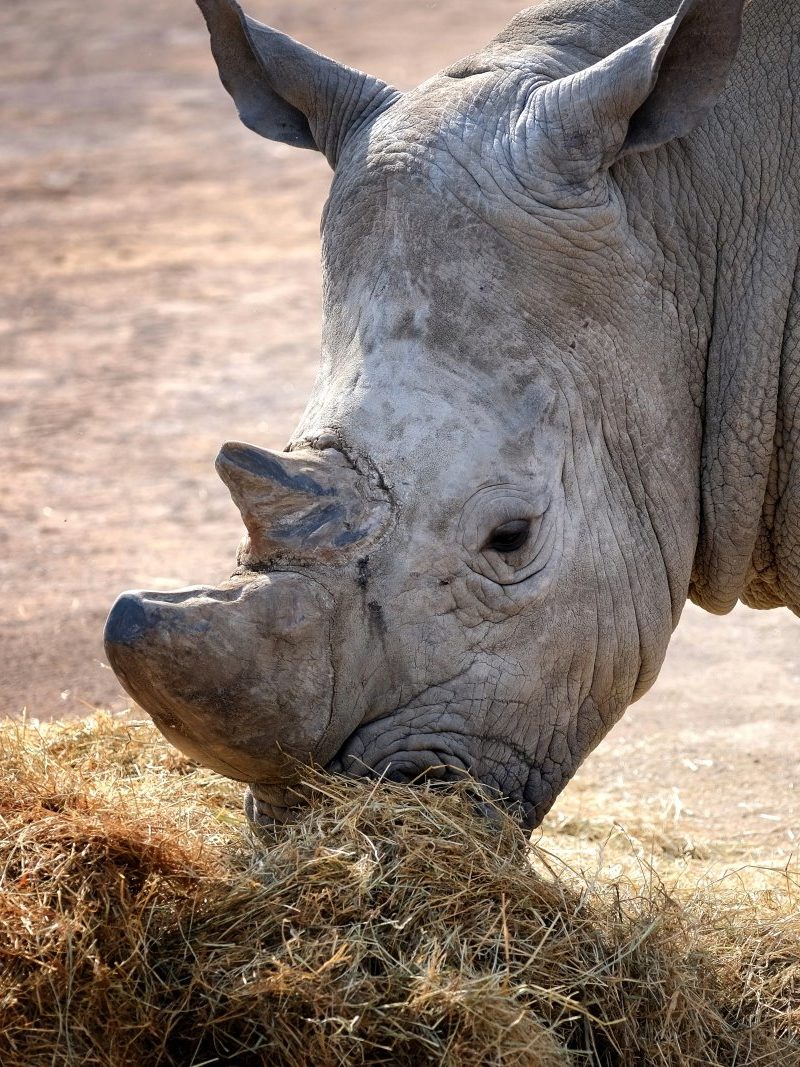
<point x="557" y="397"/>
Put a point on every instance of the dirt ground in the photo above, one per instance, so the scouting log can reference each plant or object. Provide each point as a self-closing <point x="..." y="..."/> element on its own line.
<point x="160" y="294"/>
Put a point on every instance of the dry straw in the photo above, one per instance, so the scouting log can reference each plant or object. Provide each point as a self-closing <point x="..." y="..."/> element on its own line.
<point x="141" y="924"/>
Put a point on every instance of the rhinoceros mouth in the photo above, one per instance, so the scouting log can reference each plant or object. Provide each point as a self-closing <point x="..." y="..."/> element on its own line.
<point x="380" y="751"/>
<point x="267" y="806"/>
<point x="506" y="777"/>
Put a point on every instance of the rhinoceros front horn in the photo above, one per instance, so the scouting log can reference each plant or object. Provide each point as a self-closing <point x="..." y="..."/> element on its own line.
<point x="306" y="504"/>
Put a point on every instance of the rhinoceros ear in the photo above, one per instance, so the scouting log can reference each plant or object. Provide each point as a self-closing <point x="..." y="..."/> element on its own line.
<point x="658" y="87"/>
<point x="285" y="91"/>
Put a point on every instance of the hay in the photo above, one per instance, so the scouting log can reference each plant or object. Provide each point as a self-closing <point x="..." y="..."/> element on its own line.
<point x="140" y="923"/>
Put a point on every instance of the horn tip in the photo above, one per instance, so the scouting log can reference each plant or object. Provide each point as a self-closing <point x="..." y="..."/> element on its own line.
<point x="231" y="453"/>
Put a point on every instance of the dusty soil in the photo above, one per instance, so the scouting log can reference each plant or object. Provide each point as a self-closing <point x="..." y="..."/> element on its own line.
<point x="160" y="294"/>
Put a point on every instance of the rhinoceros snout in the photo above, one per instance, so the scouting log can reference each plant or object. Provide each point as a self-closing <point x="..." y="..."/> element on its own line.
<point x="237" y="677"/>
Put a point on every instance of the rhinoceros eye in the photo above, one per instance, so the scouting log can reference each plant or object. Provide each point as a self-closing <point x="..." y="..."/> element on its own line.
<point x="509" y="537"/>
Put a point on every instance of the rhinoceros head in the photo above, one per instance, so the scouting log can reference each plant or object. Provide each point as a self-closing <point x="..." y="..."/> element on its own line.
<point x="472" y="554"/>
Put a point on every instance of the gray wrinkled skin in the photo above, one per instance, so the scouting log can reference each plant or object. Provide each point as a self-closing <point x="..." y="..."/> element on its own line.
<point x="561" y="291"/>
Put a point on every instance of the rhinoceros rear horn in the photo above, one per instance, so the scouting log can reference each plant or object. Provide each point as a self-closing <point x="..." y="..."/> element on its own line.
<point x="304" y="505"/>
<point x="285" y="91"/>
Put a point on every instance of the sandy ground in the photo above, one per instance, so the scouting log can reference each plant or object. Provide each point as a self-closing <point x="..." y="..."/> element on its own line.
<point x="160" y="294"/>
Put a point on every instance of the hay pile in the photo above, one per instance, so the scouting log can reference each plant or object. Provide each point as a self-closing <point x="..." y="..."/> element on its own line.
<point x="141" y="924"/>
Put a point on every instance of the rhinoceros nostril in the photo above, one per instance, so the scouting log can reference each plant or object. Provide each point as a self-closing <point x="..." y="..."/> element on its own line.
<point x="127" y="621"/>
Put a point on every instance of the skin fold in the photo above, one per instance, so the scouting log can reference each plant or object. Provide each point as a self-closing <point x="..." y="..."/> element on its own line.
<point x="557" y="396"/>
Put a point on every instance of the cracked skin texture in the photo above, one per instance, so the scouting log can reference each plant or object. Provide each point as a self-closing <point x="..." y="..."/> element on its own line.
<point x="560" y="290"/>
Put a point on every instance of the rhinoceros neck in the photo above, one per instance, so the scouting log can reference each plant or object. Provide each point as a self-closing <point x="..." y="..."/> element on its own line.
<point x="723" y="206"/>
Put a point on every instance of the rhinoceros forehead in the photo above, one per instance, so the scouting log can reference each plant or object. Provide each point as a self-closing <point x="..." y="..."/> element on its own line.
<point x="438" y="136"/>
<point x="417" y="132"/>
<point x="426" y="319"/>
<point x="390" y="196"/>
<point x="406" y="232"/>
